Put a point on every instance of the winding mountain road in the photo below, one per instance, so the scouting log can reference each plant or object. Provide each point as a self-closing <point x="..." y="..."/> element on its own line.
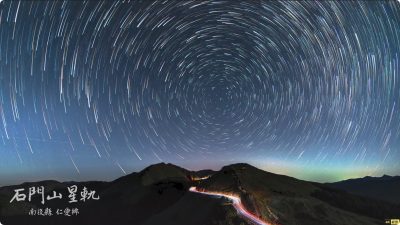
<point x="236" y="202"/>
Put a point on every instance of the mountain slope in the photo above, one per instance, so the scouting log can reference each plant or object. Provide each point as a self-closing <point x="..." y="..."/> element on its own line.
<point x="156" y="195"/>
<point x="159" y="195"/>
<point x="385" y="188"/>
<point x="286" y="200"/>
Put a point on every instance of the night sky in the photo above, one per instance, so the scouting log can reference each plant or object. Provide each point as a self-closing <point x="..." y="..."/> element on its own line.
<point x="94" y="90"/>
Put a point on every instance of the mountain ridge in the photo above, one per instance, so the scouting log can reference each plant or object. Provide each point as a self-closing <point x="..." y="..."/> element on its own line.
<point x="159" y="194"/>
<point x="382" y="188"/>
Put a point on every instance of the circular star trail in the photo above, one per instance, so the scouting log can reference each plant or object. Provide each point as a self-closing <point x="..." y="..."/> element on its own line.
<point x="114" y="86"/>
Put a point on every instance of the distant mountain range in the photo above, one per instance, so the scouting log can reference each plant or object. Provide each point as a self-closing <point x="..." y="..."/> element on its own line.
<point x="160" y="195"/>
<point x="386" y="188"/>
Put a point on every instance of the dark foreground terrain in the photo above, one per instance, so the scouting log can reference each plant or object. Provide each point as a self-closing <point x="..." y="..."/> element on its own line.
<point x="159" y="195"/>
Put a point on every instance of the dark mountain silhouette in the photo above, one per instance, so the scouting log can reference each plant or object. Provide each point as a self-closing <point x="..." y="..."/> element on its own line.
<point x="385" y="188"/>
<point x="159" y="195"/>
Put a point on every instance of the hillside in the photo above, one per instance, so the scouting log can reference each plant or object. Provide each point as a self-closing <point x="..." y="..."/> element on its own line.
<point x="286" y="200"/>
<point x="159" y="195"/>
<point x="383" y="188"/>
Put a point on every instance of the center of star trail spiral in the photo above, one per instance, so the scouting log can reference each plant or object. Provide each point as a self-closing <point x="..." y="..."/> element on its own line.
<point x="115" y="86"/>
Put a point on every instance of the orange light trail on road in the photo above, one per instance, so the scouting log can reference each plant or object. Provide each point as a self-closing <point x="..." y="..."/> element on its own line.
<point x="237" y="204"/>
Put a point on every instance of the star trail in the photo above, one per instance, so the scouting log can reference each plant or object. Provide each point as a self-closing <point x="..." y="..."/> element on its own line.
<point x="97" y="89"/>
